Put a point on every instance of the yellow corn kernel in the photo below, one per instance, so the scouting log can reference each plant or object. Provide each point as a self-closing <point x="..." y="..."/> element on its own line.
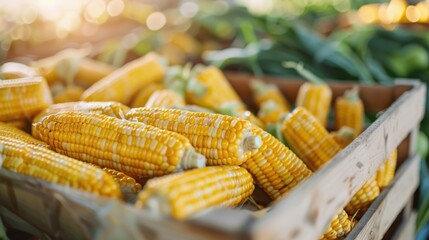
<point x="23" y="98"/>
<point x="386" y="171"/>
<point x="349" y="111"/>
<point x="12" y="132"/>
<point x="122" y="84"/>
<point x="184" y="194"/>
<point x="165" y="98"/>
<point x="40" y="162"/>
<point x="315" y="96"/>
<point x="144" y="94"/>
<point x="70" y="94"/>
<point x="275" y="168"/>
<point x="224" y="140"/>
<point x="339" y="228"/>
<point x="122" y="145"/>
<point x="124" y="180"/>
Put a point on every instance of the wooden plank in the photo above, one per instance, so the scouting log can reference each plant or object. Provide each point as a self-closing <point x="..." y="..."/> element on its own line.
<point x="389" y="204"/>
<point x="307" y="210"/>
<point x="375" y="97"/>
<point x="406" y="230"/>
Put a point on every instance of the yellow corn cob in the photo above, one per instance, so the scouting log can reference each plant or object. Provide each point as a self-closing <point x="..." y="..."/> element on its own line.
<point x="12" y="132"/>
<point x="165" y="98"/>
<point x="12" y="70"/>
<point x="122" y="145"/>
<point x="144" y="94"/>
<point x="125" y="82"/>
<point x="315" y="96"/>
<point x="275" y="168"/>
<point x="263" y="92"/>
<point x="344" y="136"/>
<point x="70" y="94"/>
<point x="224" y="140"/>
<point x="339" y="228"/>
<point x="309" y="139"/>
<point x="349" y="111"/>
<point x="386" y="172"/>
<point x="270" y="112"/>
<point x="40" y="162"/>
<point x="184" y="194"/>
<point x="210" y="88"/>
<point x="316" y="147"/>
<point x="124" y="180"/>
<point x="23" y="98"/>
<point x="19" y="124"/>
<point x="113" y="109"/>
<point x="91" y="71"/>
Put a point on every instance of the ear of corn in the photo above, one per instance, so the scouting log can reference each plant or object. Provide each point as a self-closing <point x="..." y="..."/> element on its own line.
<point x="224" y="140"/>
<point x="315" y="96"/>
<point x="349" y="111"/>
<point x="23" y="98"/>
<point x="386" y="172"/>
<point x="263" y="92"/>
<point x="270" y="112"/>
<point x="125" y="82"/>
<point x="144" y="94"/>
<point x="183" y="194"/>
<point x="40" y="162"/>
<point x="275" y="168"/>
<point x="12" y="132"/>
<point x="113" y="109"/>
<point x="122" y="145"/>
<point x="165" y="98"/>
<point x="12" y="70"/>
<point x="70" y="94"/>
<point x="344" y="136"/>
<point x="316" y="147"/>
<point x="309" y="139"/>
<point x="210" y="88"/>
<point x="91" y="71"/>
<point x="339" y="228"/>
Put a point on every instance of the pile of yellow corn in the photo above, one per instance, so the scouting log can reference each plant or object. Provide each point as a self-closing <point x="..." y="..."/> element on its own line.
<point x="189" y="133"/>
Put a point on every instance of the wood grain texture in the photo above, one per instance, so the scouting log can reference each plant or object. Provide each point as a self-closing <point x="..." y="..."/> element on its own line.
<point x="406" y="230"/>
<point x="307" y="210"/>
<point x="389" y="204"/>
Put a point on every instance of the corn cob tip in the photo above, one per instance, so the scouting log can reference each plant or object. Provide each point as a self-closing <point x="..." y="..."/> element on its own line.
<point x="347" y="133"/>
<point x="196" y="88"/>
<point x="192" y="159"/>
<point x="157" y="204"/>
<point x="251" y="143"/>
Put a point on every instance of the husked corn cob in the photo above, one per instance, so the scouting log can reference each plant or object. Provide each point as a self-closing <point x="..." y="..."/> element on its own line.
<point x="165" y="98"/>
<point x="12" y="70"/>
<point x="12" y="132"/>
<point x="339" y="228"/>
<point x="275" y="168"/>
<point x="315" y="96"/>
<point x="183" y="194"/>
<point x="23" y="98"/>
<point x="144" y="94"/>
<point x="122" y="84"/>
<point x="344" y="136"/>
<point x="264" y="92"/>
<point x="113" y="109"/>
<point x="70" y="94"/>
<point x="209" y="88"/>
<point x="363" y="198"/>
<point x="386" y="172"/>
<point x="349" y="111"/>
<point x="309" y="139"/>
<point x="91" y="71"/>
<point x="40" y="162"/>
<point x="124" y="180"/>
<point x="122" y="145"/>
<point x="224" y="140"/>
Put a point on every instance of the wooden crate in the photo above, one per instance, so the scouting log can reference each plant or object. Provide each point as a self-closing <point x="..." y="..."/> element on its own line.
<point x="51" y="210"/>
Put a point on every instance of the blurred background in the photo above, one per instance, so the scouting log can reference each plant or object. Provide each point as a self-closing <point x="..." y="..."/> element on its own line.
<point x="367" y="41"/>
